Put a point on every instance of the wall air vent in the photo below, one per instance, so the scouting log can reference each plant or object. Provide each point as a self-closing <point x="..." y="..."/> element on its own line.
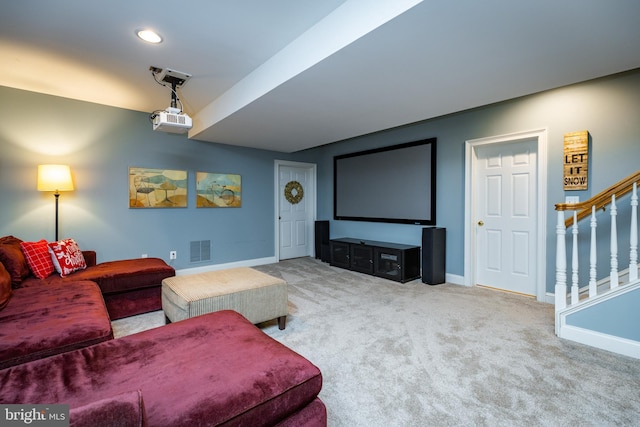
<point x="200" y="250"/>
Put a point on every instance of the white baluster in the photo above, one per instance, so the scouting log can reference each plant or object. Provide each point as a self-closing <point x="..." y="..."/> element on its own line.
<point x="593" y="256"/>
<point x="561" y="265"/>
<point x="633" y="237"/>
<point x="574" y="261"/>
<point x="613" y="277"/>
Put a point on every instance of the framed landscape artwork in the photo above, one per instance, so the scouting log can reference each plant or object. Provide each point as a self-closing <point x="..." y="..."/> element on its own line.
<point x="218" y="190"/>
<point x="157" y="188"/>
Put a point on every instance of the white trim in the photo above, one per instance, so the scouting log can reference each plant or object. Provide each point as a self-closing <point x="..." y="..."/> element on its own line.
<point x="602" y="296"/>
<point x="450" y="278"/>
<point x="602" y="341"/>
<point x="456" y="279"/>
<point x="596" y="339"/>
<point x="540" y="136"/>
<point x="561" y="315"/>
<point x="550" y="298"/>
<point x="311" y="191"/>
<point x="215" y="267"/>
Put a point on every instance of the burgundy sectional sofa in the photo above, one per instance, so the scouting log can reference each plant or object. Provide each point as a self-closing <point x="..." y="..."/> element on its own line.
<point x="214" y="369"/>
<point x="43" y="317"/>
<point x="129" y="287"/>
<point x="46" y="320"/>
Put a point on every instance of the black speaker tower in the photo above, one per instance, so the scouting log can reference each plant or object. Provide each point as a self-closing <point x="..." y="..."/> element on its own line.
<point x="322" y="241"/>
<point x="434" y="248"/>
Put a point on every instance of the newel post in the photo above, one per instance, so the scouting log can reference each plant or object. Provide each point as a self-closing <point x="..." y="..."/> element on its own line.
<point x="561" y="264"/>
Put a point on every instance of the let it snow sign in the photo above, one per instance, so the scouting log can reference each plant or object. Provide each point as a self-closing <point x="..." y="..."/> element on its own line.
<point x="576" y="160"/>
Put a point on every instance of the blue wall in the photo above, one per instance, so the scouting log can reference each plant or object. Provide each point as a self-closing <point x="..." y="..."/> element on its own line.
<point x="608" y="108"/>
<point x="617" y="316"/>
<point x="100" y="143"/>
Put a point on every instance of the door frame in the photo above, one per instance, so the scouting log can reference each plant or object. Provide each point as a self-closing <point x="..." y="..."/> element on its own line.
<point x="310" y="192"/>
<point x="471" y="158"/>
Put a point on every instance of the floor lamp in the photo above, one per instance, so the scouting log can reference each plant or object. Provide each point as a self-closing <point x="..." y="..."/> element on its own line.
<point x="54" y="178"/>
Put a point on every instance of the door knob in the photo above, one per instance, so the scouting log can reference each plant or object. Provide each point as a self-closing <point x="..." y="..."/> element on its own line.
<point x="481" y="223"/>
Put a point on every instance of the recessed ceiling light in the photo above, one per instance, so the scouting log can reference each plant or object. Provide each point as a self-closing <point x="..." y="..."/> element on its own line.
<point x="149" y="36"/>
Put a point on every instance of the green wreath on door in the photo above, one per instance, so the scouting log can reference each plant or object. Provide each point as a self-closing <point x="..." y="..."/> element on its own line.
<point x="293" y="192"/>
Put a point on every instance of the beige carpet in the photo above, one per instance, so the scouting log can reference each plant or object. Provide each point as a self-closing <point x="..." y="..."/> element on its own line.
<point x="411" y="354"/>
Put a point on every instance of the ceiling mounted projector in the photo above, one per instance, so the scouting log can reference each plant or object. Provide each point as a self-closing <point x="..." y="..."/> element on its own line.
<point x="171" y="120"/>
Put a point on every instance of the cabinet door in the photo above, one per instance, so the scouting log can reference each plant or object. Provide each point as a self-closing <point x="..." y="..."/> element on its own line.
<point x="410" y="264"/>
<point x="362" y="258"/>
<point x="388" y="263"/>
<point x="340" y="254"/>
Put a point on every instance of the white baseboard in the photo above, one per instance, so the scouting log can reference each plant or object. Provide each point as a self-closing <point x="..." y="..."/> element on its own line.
<point x="214" y="267"/>
<point x="454" y="278"/>
<point x="602" y="341"/>
<point x="550" y="298"/>
<point x="450" y="278"/>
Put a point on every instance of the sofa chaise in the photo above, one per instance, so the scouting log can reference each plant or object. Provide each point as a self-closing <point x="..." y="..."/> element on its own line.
<point x="46" y="320"/>
<point x="40" y="317"/>
<point x="129" y="287"/>
<point x="213" y="369"/>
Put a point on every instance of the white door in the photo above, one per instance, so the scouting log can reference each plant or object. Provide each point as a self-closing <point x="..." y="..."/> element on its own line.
<point x="505" y="209"/>
<point x="296" y="197"/>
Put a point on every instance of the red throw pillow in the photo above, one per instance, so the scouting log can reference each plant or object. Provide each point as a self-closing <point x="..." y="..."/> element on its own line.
<point x="67" y="257"/>
<point x="13" y="259"/>
<point x="5" y="286"/>
<point x="38" y="258"/>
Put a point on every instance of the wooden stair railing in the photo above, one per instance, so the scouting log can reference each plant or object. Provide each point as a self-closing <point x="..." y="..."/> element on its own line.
<point x="580" y="211"/>
<point x="600" y="200"/>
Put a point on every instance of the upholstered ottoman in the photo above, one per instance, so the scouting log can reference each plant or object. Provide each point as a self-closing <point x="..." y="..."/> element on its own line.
<point x="256" y="295"/>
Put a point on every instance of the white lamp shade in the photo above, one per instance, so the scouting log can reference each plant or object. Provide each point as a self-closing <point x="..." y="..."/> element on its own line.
<point x="54" y="178"/>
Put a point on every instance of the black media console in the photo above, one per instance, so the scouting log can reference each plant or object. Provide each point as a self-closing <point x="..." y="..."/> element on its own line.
<point x="389" y="260"/>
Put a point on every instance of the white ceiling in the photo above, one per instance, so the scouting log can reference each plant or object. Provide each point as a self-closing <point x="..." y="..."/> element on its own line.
<point x="287" y="75"/>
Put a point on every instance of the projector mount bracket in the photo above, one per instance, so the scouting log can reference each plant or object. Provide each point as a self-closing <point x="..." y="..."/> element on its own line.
<point x="173" y="77"/>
